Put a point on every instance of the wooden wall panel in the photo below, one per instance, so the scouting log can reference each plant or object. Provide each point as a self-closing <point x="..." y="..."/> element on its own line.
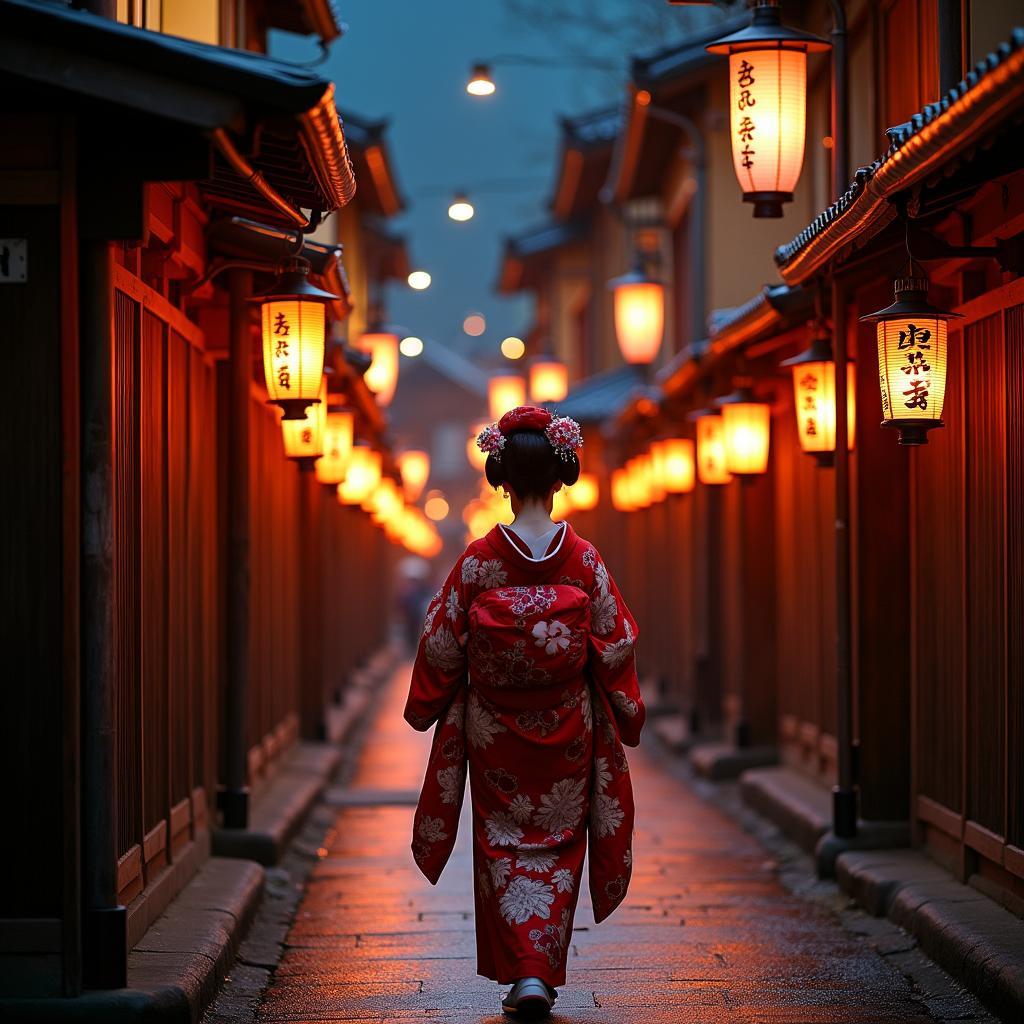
<point x="1014" y="335"/>
<point x="986" y="571"/>
<point x="938" y="598"/>
<point x="153" y="569"/>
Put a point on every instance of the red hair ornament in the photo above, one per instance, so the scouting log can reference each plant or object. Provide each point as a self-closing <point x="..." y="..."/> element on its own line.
<point x="564" y="434"/>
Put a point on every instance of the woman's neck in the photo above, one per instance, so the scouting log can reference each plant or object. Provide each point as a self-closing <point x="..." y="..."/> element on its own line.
<point x="533" y="516"/>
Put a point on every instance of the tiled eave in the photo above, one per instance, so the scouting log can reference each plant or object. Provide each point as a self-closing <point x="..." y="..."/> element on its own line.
<point x="987" y="98"/>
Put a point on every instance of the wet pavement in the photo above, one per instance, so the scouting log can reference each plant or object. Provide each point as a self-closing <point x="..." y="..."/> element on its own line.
<point x="707" y="934"/>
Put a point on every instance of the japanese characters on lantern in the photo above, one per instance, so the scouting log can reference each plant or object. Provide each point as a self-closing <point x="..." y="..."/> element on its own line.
<point x="712" y="467"/>
<point x="293" y="353"/>
<point x="339" y="427"/>
<point x="912" y="358"/>
<point x="304" y="439"/>
<point x="814" y="400"/>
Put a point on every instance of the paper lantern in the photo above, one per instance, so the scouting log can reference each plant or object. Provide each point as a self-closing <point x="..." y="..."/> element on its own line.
<point x="585" y="493"/>
<point x="549" y="380"/>
<point x="712" y="466"/>
<point x="476" y="458"/>
<point x="768" y="105"/>
<point x="745" y="423"/>
<point x="339" y="427"/>
<point x="639" y="303"/>
<point x="505" y="391"/>
<point x="304" y="439"/>
<point x="382" y="374"/>
<point x="292" y="319"/>
<point x="414" y="467"/>
<point x="622" y="491"/>
<point x="384" y="502"/>
<point x="362" y="476"/>
<point x="912" y="361"/>
<point x="639" y="482"/>
<point x="676" y="465"/>
<point x="814" y="400"/>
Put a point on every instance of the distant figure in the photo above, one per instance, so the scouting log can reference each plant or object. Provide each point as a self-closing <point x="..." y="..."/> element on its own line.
<point x="526" y="665"/>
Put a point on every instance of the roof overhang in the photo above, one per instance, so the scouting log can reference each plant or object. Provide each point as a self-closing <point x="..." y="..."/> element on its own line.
<point x="367" y="144"/>
<point x="279" y="146"/>
<point x="526" y="256"/>
<point x="588" y="142"/>
<point x="990" y="98"/>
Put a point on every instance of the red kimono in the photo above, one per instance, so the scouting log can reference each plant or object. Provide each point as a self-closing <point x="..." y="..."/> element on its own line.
<point x="526" y="665"/>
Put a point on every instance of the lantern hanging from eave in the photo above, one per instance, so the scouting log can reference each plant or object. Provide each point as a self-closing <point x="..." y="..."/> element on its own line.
<point x="293" y="322"/>
<point x="814" y="400"/>
<point x="381" y="345"/>
<point x="505" y="391"/>
<point x="339" y="427"/>
<point x="768" y="105"/>
<point x="676" y="462"/>
<point x="549" y="379"/>
<point x="622" y="494"/>
<point x="362" y="476"/>
<point x="712" y="467"/>
<point x="747" y="428"/>
<point x="304" y="439"/>
<point x="639" y="308"/>
<point x="912" y="360"/>
<point x="414" y="468"/>
<point x="586" y="492"/>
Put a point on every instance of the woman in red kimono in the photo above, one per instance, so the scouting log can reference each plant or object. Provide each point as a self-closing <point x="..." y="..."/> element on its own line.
<point x="526" y="667"/>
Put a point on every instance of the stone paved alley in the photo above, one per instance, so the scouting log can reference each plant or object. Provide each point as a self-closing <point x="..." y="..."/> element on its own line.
<point x="708" y="934"/>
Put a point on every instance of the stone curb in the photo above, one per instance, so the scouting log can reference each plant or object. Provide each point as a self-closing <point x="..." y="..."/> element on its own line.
<point x="176" y="968"/>
<point x="721" y="761"/>
<point x="970" y="935"/>
<point x="799" y="806"/>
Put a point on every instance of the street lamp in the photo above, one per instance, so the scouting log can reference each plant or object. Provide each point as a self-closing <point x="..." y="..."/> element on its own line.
<point x="712" y="465"/>
<point x="293" y="316"/>
<point x="768" y="105"/>
<point x="381" y="345"/>
<point x="911" y="360"/>
<point x="639" y="303"/>
<point x="419" y="280"/>
<point x="814" y="399"/>
<point x="480" y="82"/>
<point x="460" y="208"/>
<point x="746" y="429"/>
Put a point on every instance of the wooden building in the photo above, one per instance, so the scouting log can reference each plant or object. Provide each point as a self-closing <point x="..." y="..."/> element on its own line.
<point x="173" y="585"/>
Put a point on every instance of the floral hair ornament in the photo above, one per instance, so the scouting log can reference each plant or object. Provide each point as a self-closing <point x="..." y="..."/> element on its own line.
<point x="565" y="436"/>
<point x="491" y="440"/>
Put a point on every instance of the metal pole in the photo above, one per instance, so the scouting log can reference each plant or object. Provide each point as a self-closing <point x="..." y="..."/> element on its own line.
<point x="234" y="800"/>
<point x="844" y="795"/>
<point x="105" y="938"/>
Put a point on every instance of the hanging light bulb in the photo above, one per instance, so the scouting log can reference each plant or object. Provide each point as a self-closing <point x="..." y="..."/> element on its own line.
<point x="460" y="208"/>
<point x="768" y="105"/>
<point x="814" y="399"/>
<point x="293" y="318"/>
<point x="480" y="82"/>
<point x="639" y="303"/>
<point x="912" y="360"/>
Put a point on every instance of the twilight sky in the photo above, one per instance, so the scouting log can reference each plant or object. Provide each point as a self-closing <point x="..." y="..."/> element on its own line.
<point x="408" y="60"/>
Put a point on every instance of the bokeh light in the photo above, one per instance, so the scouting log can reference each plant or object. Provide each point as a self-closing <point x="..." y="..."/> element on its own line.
<point x="474" y="325"/>
<point x="420" y="280"/>
<point x="513" y="348"/>
<point x="411" y="346"/>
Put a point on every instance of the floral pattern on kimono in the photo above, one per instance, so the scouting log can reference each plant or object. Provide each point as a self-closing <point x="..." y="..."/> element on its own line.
<point x="530" y="682"/>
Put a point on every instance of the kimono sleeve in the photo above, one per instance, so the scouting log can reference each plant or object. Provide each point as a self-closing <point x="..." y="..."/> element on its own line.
<point x="611" y="661"/>
<point x="440" y="669"/>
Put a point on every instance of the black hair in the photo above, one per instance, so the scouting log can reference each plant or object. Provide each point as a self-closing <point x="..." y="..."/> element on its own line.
<point x="529" y="465"/>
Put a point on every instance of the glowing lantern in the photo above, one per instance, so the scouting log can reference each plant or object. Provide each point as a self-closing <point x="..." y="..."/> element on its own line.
<point x="639" y="482"/>
<point x="712" y="467"/>
<point x="382" y="374"/>
<point x="561" y="505"/>
<point x="650" y="467"/>
<point x="622" y="492"/>
<point x="585" y="492"/>
<point x="384" y="501"/>
<point x="746" y="428"/>
<point x="549" y="380"/>
<point x="505" y="391"/>
<point x="814" y="398"/>
<point x="481" y="83"/>
<point x="768" y="105"/>
<point x="362" y="476"/>
<point x="304" y="439"/>
<point x="293" y="316"/>
<point x="477" y="458"/>
<point x="912" y="361"/>
<point x="676" y="465"/>
<point x="414" y="467"/>
<point x="639" y="315"/>
<point x="339" y="426"/>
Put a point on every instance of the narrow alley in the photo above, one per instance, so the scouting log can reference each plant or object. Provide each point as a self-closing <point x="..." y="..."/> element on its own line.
<point x="707" y="934"/>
